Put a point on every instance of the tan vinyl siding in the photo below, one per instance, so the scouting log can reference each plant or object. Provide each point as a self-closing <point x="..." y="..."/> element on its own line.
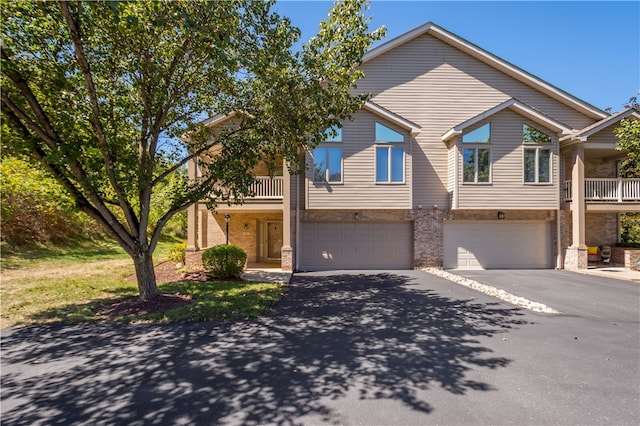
<point x="507" y="189"/>
<point x="438" y="87"/>
<point x="359" y="188"/>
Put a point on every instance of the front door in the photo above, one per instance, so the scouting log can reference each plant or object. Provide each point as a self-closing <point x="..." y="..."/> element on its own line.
<point x="274" y="240"/>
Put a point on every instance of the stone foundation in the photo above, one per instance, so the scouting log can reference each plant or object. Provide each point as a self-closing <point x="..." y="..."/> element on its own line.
<point x="628" y="257"/>
<point x="428" y="242"/>
<point x="576" y="258"/>
<point x="286" y="260"/>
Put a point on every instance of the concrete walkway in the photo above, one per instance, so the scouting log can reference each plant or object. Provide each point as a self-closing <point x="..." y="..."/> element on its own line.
<point x="616" y="272"/>
<point x="266" y="275"/>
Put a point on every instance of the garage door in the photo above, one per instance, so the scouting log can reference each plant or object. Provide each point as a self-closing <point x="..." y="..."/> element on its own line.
<point x="327" y="246"/>
<point x="497" y="245"/>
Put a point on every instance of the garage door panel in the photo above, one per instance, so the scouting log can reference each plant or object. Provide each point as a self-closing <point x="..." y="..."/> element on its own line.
<point x="497" y="245"/>
<point x="356" y="245"/>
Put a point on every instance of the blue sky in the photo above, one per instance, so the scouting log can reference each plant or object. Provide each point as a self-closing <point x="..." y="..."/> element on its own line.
<point x="589" y="49"/>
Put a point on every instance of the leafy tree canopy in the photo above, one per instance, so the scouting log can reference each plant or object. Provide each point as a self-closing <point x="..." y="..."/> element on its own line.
<point x="628" y="133"/>
<point x="99" y="91"/>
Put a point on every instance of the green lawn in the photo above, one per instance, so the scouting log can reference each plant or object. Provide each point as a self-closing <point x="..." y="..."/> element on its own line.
<point x="66" y="284"/>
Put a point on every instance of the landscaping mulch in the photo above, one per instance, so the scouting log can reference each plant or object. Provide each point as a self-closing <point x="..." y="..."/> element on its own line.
<point x="135" y="306"/>
<point x="166" y="272"/>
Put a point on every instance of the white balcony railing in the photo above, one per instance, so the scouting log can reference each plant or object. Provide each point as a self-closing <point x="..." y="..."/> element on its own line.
<point x="264" y="188"/>
<point x="267" y="188"/>
<point x="607" y="190"/>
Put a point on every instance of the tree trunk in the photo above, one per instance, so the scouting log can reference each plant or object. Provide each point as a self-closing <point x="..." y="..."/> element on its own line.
<point x="146" y="275"/>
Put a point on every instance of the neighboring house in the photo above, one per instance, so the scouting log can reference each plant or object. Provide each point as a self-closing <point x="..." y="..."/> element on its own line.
<point x="460" y="160"/>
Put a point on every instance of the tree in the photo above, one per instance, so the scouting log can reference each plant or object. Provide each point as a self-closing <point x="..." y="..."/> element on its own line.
<point x="98" y="92"/>
<point x="628" y="133"/>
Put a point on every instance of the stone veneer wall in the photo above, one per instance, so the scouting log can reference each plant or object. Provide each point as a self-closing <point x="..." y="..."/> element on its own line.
<point x="628" y="257"/>
<point x="601" y="229"/>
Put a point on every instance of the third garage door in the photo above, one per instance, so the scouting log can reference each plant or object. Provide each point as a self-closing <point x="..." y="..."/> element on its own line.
<point x="497" y="245"/>
<point x="356" y="245"/>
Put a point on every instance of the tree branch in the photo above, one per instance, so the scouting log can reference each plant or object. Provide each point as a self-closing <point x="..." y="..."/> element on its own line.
<point x="108" y="221"/>
<point x="75" y="33"/>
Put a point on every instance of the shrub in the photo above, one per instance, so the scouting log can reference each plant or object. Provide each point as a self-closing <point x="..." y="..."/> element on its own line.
<point x="35" y="208"/>
<point x="224" y="261"/>
<point x="177" y="253"/>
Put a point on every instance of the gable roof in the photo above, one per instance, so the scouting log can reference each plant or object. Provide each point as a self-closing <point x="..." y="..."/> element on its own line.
<point x="491" y="60"/>
<point x="519" y="107"/>
<point x="392" y="117"/>
<point x="583" y="134"/>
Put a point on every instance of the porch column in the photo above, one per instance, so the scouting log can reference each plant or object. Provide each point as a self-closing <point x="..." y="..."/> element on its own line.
<point x="192" y="211"/>
<point x="576" y="257"/>
<point x="286" y="253"/>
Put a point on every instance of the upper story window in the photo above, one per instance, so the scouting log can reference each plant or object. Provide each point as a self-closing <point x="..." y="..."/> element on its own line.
<point x="537" y="155"/>
<point x="476" y="165"/>
<point x="333" y="134"/>
<point x="389" y="159"/>
<point x="480" y="135"/>
<point x="327" y="164"/>
<point x="389" y="164"/>
<point x="385" y="134"/>
<point x="476" y="161"/>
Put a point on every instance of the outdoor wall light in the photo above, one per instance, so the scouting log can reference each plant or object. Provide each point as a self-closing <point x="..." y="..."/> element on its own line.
<point x="246" y="226"/>
<point x="500" y="215"/>
<point x="357" y="216"/>
<point x="227" y="216"/>
<point x="435" y="206"/>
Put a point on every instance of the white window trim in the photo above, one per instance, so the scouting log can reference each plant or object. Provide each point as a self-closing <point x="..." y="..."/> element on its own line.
<point x="476" y="157"/>
<point x="326" y="171"/>
<point x="537" y="148"/>
<point x="389" y="146"/>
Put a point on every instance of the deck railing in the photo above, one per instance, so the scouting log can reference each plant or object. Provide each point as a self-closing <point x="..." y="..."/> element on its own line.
<point x="607" y="190"/>
<point x="267" y="188"/>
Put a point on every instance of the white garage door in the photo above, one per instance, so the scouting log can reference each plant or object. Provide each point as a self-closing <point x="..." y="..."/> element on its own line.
<point x="327" y="246"/>
<point x="497" y="245"/>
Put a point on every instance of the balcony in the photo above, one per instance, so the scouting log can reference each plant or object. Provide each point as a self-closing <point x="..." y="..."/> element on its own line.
<point x="607" y="190"/>
<point x="267" y="188"/>
<point x="266" y="192"/>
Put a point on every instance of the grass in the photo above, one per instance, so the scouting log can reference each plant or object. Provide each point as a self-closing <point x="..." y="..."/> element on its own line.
<point x="66" y="284"/>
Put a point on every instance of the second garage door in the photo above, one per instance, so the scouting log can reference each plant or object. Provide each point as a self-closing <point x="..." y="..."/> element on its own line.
<point x="358" y="245"/>
<point x="497" y="245"/>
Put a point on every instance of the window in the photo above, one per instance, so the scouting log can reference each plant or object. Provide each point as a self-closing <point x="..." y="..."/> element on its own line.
<point x="476" y="167"/>
<point x="389" y="164"/>
<point x="537" y="155"/>
<point x="476" y="161"/>
<point x="385" y="134"/>
<point x="480" y="135"/>
<point x="327" y="164"/>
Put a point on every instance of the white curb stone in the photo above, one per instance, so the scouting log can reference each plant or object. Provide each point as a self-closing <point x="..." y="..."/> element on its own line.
<point x="492" y="291"/>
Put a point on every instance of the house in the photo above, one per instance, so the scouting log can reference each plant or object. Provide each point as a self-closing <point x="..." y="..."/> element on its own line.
<point x="459" y="160"/>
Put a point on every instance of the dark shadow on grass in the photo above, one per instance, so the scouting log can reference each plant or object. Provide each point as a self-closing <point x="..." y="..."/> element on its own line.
<point x="379" y="336"/>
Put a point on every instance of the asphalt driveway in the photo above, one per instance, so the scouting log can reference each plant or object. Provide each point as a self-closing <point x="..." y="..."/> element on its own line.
<point x="341" y="348"/>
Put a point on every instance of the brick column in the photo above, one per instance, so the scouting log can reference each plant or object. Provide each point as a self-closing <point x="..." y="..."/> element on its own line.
<point x="428" y="230"/>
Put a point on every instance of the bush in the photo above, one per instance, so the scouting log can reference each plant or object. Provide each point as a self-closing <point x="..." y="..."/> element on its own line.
<point x="35" y="208"/>
<point x="178" y="253"/>
<point x="224" y="261"/>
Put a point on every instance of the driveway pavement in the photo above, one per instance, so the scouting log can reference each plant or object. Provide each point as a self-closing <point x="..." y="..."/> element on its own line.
<point x="398" y="347"/>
